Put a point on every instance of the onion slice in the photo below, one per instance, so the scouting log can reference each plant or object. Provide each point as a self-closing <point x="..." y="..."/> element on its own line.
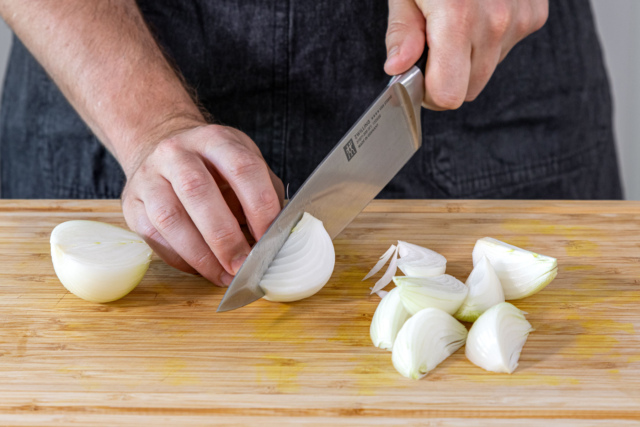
<point x="98" y="262"/>
<point x="303" y="265"/>
<point x="417" y="261"/>
<point x="522" y="273"/>
<point x="497" y="337"/>
<point x="485" y="291"/>
<point x="444" y="292"/>
<point x="388" y="319"/>
<point x="425" y="340"/>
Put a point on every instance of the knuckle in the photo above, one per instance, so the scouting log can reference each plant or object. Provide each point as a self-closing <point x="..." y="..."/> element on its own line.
<point x="201" y="262"/>
<point x="193" y="183"/>
<point x="166" y="217"/>
<point x="222" y="235"/>
<point x="267" y="202"/>
<point x="169" y="147"/>
<point x="499" y="20"/>
<point x="245" y="164"/>
<point x="396" y="29"/>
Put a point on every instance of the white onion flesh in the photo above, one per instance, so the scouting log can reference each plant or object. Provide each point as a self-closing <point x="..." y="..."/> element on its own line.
<point x="413" y="260"/>
<point x="388" y="319"/>
<point x="417" y="261"/>
<point x="522" y="273"/>
<point x="485" y="291"/>
<point x="98" y="262"/>
<point x="304" y="264"/>
<point x="425" y="340"/>
<point x="497" y="337"/>
<point x="444" y="292"/>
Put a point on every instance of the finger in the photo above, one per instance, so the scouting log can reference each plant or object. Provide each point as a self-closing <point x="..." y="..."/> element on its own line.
<point x="279" y="187"/>
<point x="137" y="220"/>
<point x="199" y="194"/>
<point x="449" y="63"/>
<point x="167" y="215"/>
<point x="248" y="175"/>
<point x="405" y="36"/>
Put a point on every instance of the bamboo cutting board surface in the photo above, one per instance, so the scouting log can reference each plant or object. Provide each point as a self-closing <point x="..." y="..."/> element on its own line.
<point x="162" y="356"/>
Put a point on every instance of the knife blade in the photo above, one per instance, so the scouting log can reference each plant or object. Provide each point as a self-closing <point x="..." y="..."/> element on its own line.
<point x="371" y="153"/>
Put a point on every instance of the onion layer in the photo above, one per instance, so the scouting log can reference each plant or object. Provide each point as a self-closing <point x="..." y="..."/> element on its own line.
<point x="444" y="292"/>
<point x="96" y="261"/>
<point x="303" y="265"/>
<point x="497" y="337"/>
<point x="522" y="273"/>
<point x="485" y="291"/>
<point x="425" y="340"/>
<point x="388" y="319"/>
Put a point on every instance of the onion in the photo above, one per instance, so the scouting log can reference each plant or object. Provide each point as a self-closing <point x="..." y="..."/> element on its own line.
<point x="444" y="292"/>
<point x="96" y="261"/>
<point x="414" y="261"/>
<point x="425" y="340"/>
<point x="522" y="273"/>
<point x="485" y="291"/>
<point x="497" y="337"/>
<point x="303" y="265"/>
<point x="388" y="319"/>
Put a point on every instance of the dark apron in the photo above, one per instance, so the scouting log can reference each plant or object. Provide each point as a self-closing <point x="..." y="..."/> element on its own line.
<point x="295" y="75"/>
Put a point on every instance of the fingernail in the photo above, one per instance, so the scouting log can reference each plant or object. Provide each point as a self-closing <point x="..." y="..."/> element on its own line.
<point x="237" y="263"/>
<point x="226" y="278"/>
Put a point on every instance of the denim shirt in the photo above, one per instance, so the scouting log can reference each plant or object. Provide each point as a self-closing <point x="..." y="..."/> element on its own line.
<point x="296" y="74"/>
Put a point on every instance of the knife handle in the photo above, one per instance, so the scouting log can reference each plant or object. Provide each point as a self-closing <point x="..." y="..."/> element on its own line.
<point x="422" y="62"/>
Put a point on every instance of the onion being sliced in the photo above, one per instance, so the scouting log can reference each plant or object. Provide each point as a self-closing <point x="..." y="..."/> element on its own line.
<point x="485" y="291"/>
<point x="303" y="265"/>
<point x="425" y="340"/>
<point x="522" y="273"/>
<point x="497" y="337"/>
<point x="444" y="292"/>
<point x="388" y="319"/>
<point x="98" y="262"/>
<point x="417" y="261"/>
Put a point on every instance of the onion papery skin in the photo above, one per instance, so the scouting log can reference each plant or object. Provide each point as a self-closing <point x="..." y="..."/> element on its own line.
<point x="444" y="292"/>
<point x="425" y="340"/>
<point x="304" y="264"/>
<point x="522" y="273"/>
<point x="98" y="262"/>
<point x="388" y="320"/>
<point x="485" y="291"/>
<point x="497" y="338"/>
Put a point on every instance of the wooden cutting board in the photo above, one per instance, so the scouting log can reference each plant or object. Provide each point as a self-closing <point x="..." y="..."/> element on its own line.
<point x="162" y="356"/>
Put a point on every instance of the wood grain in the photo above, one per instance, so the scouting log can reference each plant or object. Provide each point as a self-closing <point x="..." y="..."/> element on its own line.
<point x="162" y="356"/>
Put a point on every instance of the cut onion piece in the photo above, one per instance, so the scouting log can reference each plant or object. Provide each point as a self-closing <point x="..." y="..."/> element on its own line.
<point x="417" y="261"/>
<point x="485" y="291"/>
<point x="497" y="337"/>
<point x="388" y="319"/>
<point x="444" y="292"/>
<point x="425" y="340"/>
<point x="383" y="260"/>
<point x="522" y="273"/>
<point x="98" y="262"/>
<point x="303" y="265"/>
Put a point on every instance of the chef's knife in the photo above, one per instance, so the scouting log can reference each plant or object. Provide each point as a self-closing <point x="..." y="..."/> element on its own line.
<point x="353" y="173"/>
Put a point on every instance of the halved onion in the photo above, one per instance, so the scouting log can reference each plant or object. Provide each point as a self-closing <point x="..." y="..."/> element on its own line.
<point x="303" y="265"/>
<point x="425" y="340"/>
<point x="388" y="319"/>
<point x="444" y="292"/>
<point x="522" y="273"/>
<point x="497" y="337"/>
<point x="96" y="261"/>
<point x="485" y="291"/>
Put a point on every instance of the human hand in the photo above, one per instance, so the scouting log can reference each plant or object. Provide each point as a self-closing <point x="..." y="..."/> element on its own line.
<point x="188" y="194"/>
<point x="466" y="39"/>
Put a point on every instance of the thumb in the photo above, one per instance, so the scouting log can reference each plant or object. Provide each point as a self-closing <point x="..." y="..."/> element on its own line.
<point x="405" y="36"/>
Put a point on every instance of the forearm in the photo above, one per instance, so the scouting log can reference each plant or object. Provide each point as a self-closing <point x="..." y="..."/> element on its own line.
<point x="106" y="62"/>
